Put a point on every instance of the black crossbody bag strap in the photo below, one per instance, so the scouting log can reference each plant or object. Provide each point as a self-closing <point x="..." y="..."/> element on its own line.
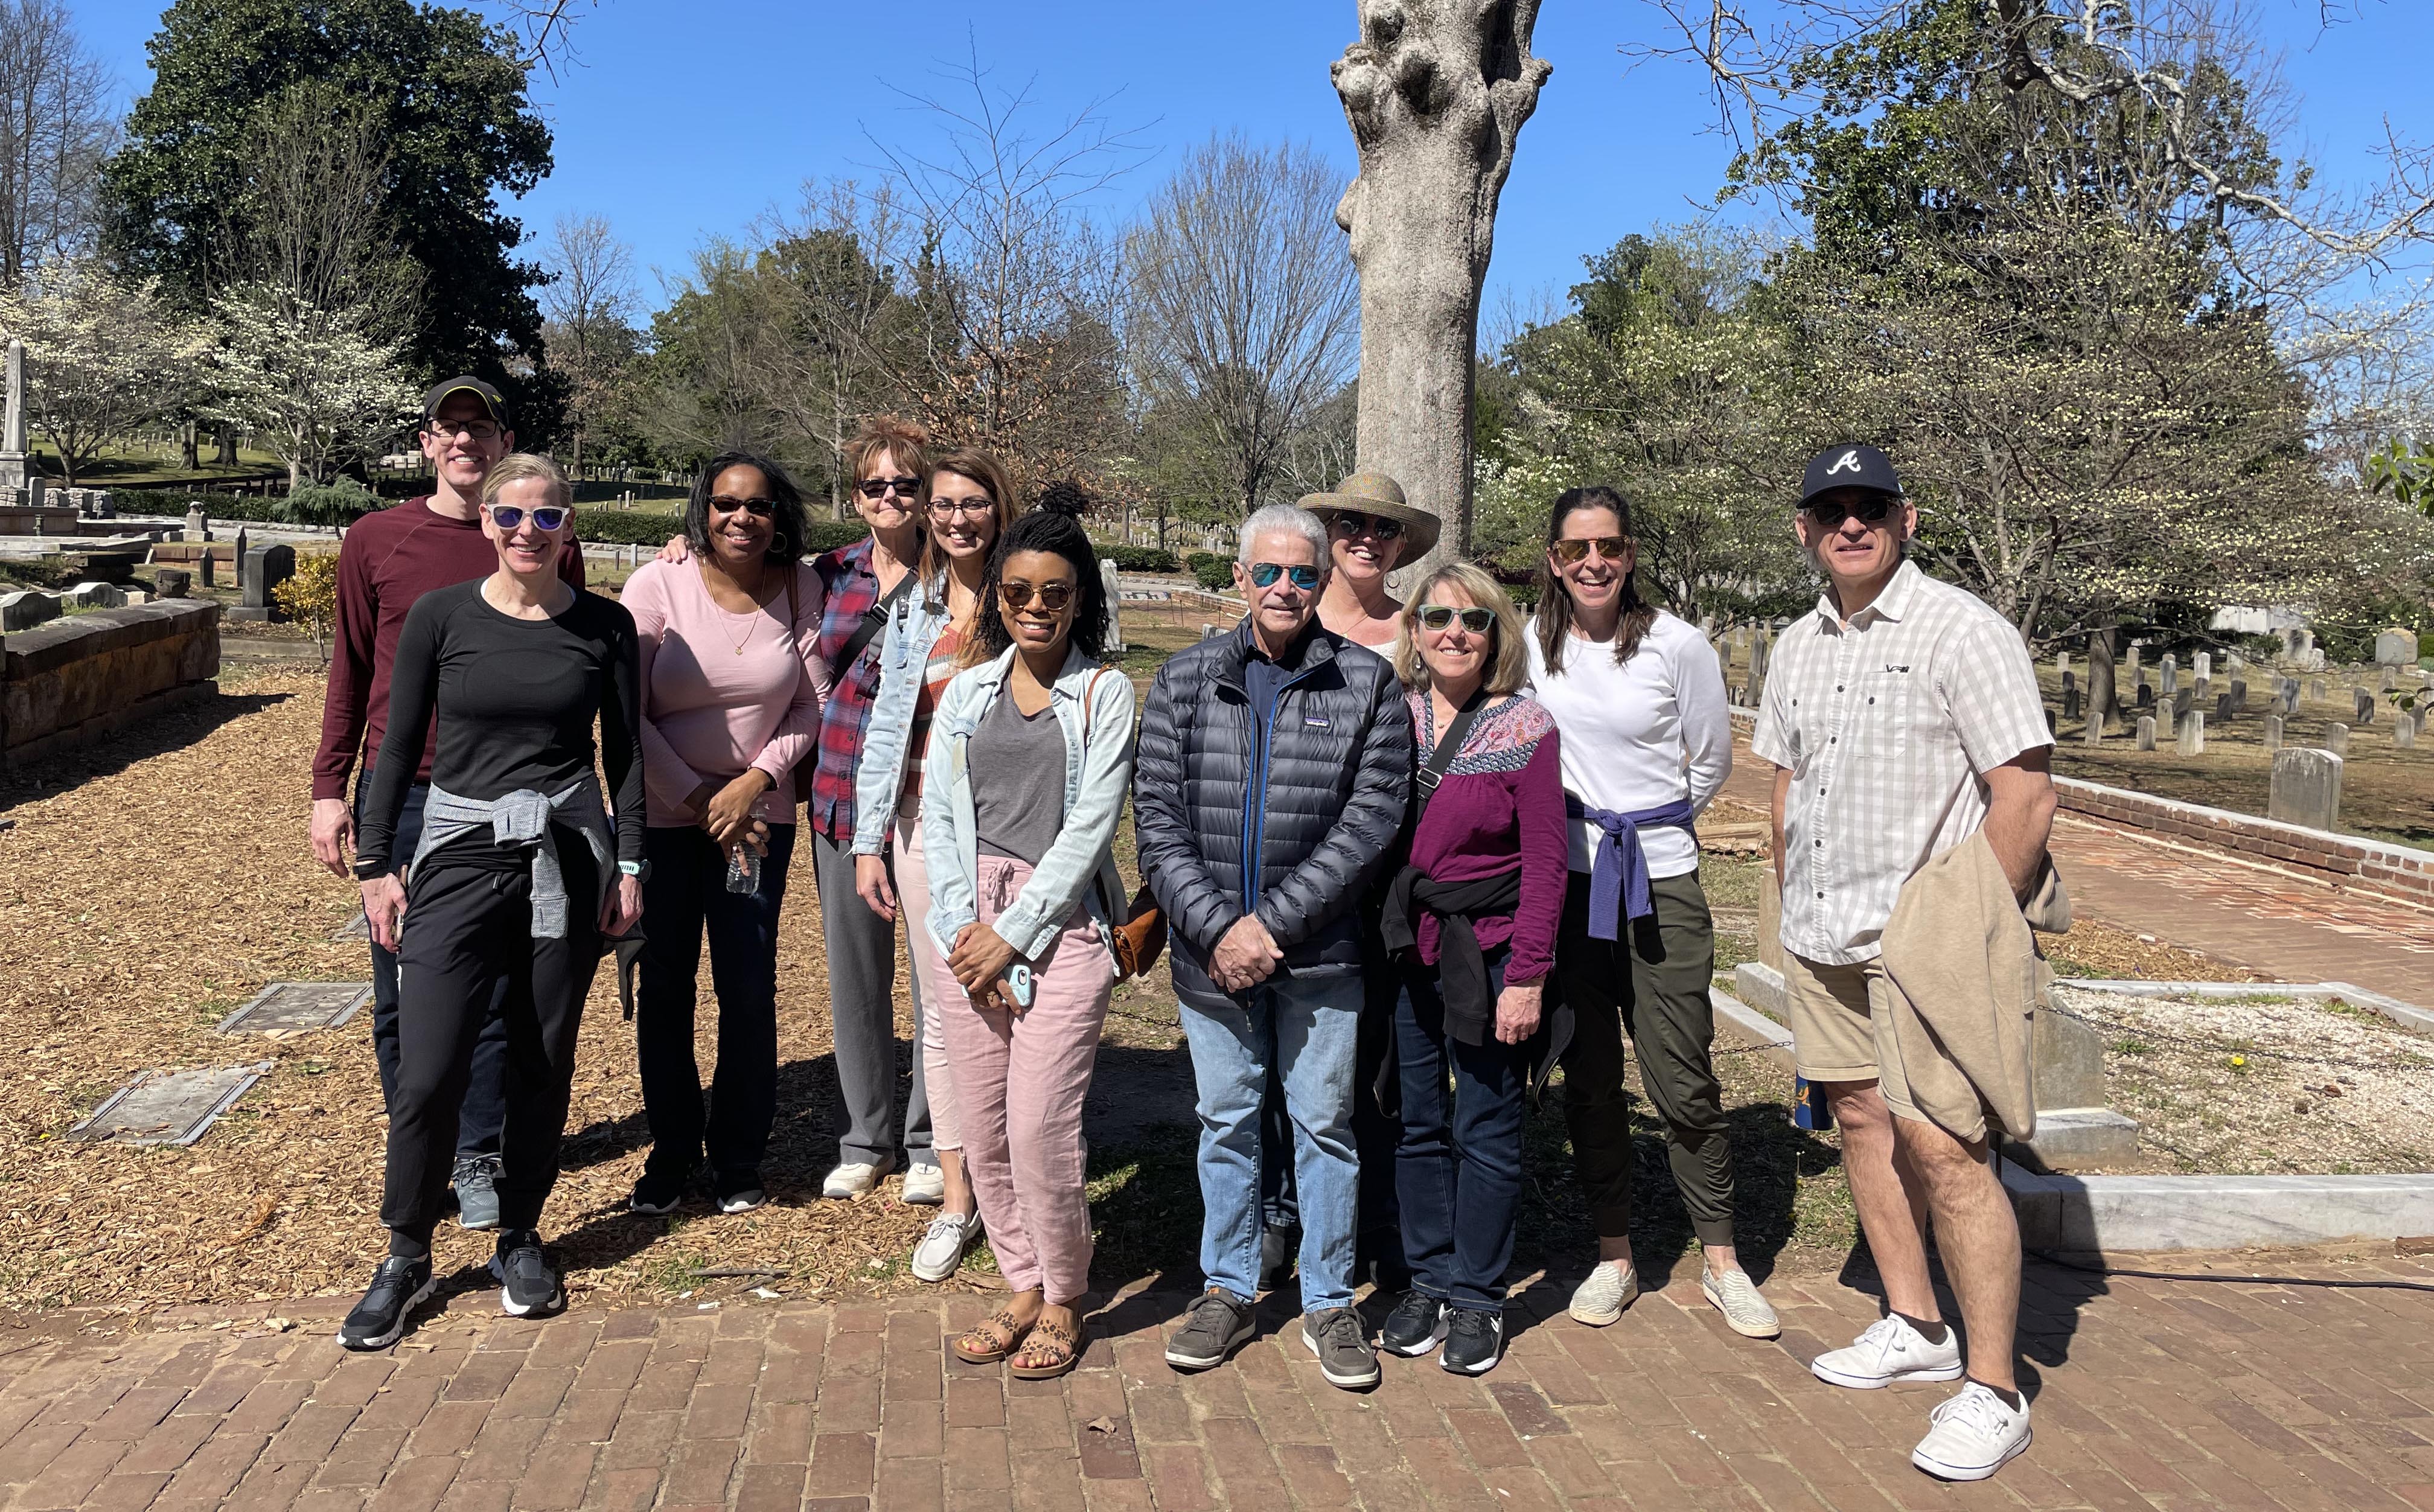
<point x="1432" y="772"/>
<point x="874" y="620"/>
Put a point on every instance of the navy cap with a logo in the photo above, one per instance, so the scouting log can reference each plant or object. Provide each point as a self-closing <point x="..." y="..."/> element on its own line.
<point x="1851" y="465"/>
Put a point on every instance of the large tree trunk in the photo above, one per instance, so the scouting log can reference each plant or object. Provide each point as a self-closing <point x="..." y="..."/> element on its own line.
<point x="2104" y="700"/>
<point x="1436" y="92"/>
<point x="187" y="455"/>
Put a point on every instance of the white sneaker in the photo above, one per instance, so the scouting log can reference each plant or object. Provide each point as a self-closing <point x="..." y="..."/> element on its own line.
<point x="1611" y="1287"/>
<point x="942" y="1251"/>
<point x="1890" y="1350"/>
<point x="925" y="1185"/>
<point x="852" y="1179"/>
<point x="1976" y="1434"/>
<point x="1736" y="1295"/>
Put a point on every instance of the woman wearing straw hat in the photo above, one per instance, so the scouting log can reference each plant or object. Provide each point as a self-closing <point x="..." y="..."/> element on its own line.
<point x="1370" y="530"/>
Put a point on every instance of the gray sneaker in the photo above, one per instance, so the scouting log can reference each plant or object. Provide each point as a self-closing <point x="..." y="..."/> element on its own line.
<point x="476" y="1181"/>
<point x="1216" y="1326"/>
<point x="1343" y="1348"/>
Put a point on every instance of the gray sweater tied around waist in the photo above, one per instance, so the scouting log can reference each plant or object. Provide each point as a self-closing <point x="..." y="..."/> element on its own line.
<point x="521" y="821"/>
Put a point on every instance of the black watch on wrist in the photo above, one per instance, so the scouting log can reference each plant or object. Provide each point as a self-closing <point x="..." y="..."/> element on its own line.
<point x="370" y="870"/>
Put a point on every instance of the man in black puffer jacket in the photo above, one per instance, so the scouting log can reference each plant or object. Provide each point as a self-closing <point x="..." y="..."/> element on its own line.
<point x="1273" y="771"/>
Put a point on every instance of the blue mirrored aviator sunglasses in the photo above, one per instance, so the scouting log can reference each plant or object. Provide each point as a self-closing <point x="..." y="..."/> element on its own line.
<point x="1265" y="575"/>
<point x="544" y="517"/>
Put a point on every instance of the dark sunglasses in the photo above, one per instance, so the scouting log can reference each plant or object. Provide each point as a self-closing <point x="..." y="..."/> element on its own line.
<point x="880" y="488"/>
<point x="757" y="508"/>
<point x="1052" y="596"/>
<point x="1439" y="616"/>
<point x="544" y="517"/>
<point x="1351" y="523"/>
<point x="1829" y="515"/>
<point x="1265" y="575"/>
<point x="1572" y="550"/>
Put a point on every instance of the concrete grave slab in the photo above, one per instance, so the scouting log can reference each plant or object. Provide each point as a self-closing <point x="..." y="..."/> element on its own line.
<point x="358" y="927"/>
<point x="168" y="1107"/>
<point x="292" y="1007"/>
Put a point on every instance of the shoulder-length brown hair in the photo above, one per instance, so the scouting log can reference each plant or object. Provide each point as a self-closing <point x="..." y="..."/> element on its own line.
<point x="1556" y="613"/>
<point x="1507" y="670"/>
<point x="979" y="466"/>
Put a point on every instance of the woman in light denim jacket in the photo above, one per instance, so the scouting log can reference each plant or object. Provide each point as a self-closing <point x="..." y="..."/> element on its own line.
<point x="970" y="504"/>
<point x="1023" y="880"/>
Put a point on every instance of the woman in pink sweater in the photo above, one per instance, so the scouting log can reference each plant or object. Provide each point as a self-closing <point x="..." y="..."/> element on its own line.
<point x="732" y="685"/>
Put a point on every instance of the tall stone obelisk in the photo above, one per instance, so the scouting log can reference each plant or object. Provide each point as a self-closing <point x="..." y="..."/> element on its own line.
<point x="12" y="431"/>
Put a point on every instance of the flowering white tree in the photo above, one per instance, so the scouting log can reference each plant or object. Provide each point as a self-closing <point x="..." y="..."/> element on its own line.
<point x="316" y="391"/>
<point x="105" y="355"/>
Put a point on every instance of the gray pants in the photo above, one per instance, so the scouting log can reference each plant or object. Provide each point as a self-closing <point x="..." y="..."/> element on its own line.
<point x="862" y="1016"/>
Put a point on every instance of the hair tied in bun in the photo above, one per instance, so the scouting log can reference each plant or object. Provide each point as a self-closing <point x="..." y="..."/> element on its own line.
<point x="1065" y="497"/>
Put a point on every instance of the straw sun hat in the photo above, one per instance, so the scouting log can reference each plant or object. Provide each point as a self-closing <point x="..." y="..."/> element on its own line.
<point x="1376" y="493"/>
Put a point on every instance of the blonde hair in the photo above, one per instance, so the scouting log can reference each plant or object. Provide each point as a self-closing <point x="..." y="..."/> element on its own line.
<point x="516" y="467"/>
<point x="1507" y="670"/>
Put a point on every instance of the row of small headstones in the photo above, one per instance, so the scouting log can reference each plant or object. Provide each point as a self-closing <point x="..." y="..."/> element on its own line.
<point x="2235" y="701"/>
<point x="27" y="608"/>
<point x="2187" y="732"/>
<point x="89" y="504"/>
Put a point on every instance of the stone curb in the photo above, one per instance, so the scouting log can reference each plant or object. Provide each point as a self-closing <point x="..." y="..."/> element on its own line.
<point x="2406" y="1015"/>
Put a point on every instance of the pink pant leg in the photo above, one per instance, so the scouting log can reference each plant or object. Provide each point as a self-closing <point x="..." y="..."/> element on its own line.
<point x="913" y="899"/>
<point x="1055" y="1044"/>
<point x="978" y="1041"/>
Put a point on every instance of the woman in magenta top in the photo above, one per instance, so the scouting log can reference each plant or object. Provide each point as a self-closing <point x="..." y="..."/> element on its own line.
<point x="732" y="685"/>
<point x="1471" y="920"/>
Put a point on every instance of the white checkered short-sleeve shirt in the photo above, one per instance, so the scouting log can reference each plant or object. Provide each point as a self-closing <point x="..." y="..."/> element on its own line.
<point x="1886" y="723"/>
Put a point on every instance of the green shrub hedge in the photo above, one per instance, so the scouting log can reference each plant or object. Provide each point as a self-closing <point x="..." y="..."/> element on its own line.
<point x="632" y="527"/>
<point x="1214" y="573"/>
<point x="1141" y="558"/>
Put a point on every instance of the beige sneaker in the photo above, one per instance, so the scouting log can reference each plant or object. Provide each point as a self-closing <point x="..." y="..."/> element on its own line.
<point x="1611" y="1287"/>
<point x="1736" y="1295"/>
<point x="852" y="1179"/>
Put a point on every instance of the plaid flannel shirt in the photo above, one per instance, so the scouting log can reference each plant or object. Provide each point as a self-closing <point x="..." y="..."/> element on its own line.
<point x="852" y="589"/>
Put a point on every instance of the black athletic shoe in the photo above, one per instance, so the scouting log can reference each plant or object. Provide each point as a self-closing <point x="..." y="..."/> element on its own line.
<point x="657" y="1195"/>
<point x="379" y="1319"/>
<point x="1277" y="1248"/>
<point x="1474" y="1342"/>
<point x="1415" y="1327"/>
<point x="527" y="1285"/>
<point x="739" y="1191"/>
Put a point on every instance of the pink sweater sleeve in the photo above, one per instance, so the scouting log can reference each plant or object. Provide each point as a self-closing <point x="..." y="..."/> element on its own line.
<point x="666" y="776"/>
<point x="799" y="730"/>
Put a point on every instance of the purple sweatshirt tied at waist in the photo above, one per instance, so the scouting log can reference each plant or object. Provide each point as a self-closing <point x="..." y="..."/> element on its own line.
<point x="1618" y="874"/>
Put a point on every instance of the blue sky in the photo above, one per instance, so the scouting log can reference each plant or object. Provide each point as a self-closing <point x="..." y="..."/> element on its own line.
<point x="687" y="118"/>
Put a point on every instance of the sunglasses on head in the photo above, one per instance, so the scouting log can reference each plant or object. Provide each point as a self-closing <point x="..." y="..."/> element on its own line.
<point x="1052" y="596"/>
<point x="544" y="517"/>
<point x="1265" y="575"/>
<point x="1349" y="522"/>
<point x="880" y="488"/>
<point x="757" y="508"/>
<point x="1441" y="616"/>
<point x="1573" y="550"/>
<point x="1829" y="513"/>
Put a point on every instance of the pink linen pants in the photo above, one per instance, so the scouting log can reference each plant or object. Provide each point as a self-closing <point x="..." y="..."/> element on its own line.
<point x="913" y="903"/>
<point x="1019" y="1081"/>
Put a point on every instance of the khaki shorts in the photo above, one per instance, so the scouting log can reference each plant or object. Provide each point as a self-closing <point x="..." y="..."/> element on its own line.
<point x="1845" y="1026"/>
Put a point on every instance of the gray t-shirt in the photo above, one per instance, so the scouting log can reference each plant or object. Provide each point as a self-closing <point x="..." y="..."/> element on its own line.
<point x="1018" y="767"/>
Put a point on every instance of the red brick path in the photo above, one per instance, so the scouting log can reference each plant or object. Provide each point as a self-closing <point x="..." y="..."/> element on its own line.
<point x="2158" y="1397"/>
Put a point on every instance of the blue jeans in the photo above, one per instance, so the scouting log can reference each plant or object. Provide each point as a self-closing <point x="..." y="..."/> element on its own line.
<point x="1458" y="1168"/>
<point x="685" y="897"/>
<point x="1308" y="1029"/>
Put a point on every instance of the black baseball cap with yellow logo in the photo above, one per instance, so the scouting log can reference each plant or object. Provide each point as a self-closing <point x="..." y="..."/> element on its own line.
<point x="467" y="383"/>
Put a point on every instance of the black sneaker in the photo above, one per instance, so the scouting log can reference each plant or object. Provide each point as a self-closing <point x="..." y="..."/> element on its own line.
<point x="657" y="1195"/>
<point x="1415" y="1327"/>
<point x="1342" y="1345"/>
<point x="739" y="1193"/>
<point x="526" y="1285"/>
<point x="476" y="1181"/>
<point x="1216" y="1326"/>
<point x="379" y="1319"/>
<point x="1474" y="1342"/>
<point x="1277" y="1248"/>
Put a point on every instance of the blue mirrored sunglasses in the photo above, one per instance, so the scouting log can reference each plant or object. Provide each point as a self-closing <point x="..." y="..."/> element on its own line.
<point x="1265" y="575"/>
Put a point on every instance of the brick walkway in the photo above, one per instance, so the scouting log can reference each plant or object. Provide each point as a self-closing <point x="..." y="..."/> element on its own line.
<point x="2149" y="1395"/>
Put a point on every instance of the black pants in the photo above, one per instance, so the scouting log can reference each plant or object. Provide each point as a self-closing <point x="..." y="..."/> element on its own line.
<point x="485" y="1111"/>
<point x="467" y="941"/>
<point x="686" y="895"/>
<point x="1654" y="985"/>
<point x="1458" y="1165"/>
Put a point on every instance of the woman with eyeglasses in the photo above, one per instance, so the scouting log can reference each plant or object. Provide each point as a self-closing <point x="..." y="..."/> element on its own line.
<point x="1647" y="742"/>
<point x="733" y="687"/>
<point x="1470" y="923"/>
<point x="1030" y="760"/>
<point x="969" y="504"/>
<point x="518" y="876"/>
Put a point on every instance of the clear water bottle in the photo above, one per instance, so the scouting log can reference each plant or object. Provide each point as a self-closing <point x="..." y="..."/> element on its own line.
<point x="742" y="869"/>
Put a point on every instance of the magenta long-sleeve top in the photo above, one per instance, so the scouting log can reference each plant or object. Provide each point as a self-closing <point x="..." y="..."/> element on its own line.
<point x="724" y="692"/>
<point x="1498" y="807"/>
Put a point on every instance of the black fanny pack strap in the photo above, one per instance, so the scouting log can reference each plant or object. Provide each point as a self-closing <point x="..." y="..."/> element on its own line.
<point x="1432" y="771"/>
<point x="874" y="619"/>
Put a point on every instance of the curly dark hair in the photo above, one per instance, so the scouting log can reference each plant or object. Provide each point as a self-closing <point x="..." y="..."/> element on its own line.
<point x="790" y="544"/>
<point x="1054" y="526"/>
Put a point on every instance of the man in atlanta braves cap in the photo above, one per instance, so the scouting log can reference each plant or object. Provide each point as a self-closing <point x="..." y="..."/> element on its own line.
<point x="1903" y="719"/>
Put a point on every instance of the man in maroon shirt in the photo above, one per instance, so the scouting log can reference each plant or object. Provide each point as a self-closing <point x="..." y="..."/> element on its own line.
<point x="391" y="558"/>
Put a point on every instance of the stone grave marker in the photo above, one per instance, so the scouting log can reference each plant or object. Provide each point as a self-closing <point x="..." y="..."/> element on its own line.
<point x="2395" y="647"/>
<point x="2391" y="680"/>
<point x="2050" y="729"/>
<point x="264" y="568"/>
<point x="2233" y="664"/>
<point x="27" y="608"/>
<point x="2205" y="666"/>
<point x="288" y="1007"/>
<point x="2273" y="730"/>
<point x="172" y="582"/>
<point x="2306" y="788"/>
<point x="2069" y="681"/>
<point x="243" y="545"/>
<point x="1115" y="624"/>
<point x="2182" y="702"/>
<point x="2146" y="694"/>
<point x="2361" y="707"/>
<point x="2146" y="732"/>
<point x="207" y="570"/>
<point x="168" y="1107"/>
<point x="2093" y="733"/>
<point x="2135" y="652"/>
<point x="199" y="525"/>
<point x="2404" y="733"/>
<point x="2317" y="690"/>
<point x="2062" y="662"/>
<point x="2222" y="708"/>
<point x="2337" y="739"/>
<point x="96" y="595"/>
<point x="2069" y="701"/>
<point x="2171" y="673"/>
<point x="2192" y="737"/>
<point x="2239" y="695"/>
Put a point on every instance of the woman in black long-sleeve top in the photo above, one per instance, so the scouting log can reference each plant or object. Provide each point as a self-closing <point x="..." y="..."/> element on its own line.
<point x="518" y="877"/>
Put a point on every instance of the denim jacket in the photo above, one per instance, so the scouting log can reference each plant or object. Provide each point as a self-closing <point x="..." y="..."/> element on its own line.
<point x="1094" y="704"/>
<point x="912" y="629"/>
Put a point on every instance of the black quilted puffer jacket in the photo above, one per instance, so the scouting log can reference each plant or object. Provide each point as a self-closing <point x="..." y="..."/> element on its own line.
<point x="1292" y="821"/>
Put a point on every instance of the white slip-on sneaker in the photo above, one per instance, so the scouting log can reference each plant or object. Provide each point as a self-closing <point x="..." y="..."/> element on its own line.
<point x="942" y="1251"/>
<point x="925" y="1185"/>
<point x="1890" y="1350"/>
<point x="854" y="1179"/>
<point x="1973" y="1436"/>
<point x="1600" y="1299"/>
<point x="1736" y="1295"/>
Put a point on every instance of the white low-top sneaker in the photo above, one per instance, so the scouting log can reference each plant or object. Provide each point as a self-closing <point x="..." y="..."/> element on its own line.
<point x="925" y="1185"/>
<point x="1975" y="1435"/>
<point x="1736" y="1295"/>
<point x="852" y="1179"/>
<point x="1600" y="1301"/>
<point x="942" y="1251"/>
<point x="1890" y="1350"/>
